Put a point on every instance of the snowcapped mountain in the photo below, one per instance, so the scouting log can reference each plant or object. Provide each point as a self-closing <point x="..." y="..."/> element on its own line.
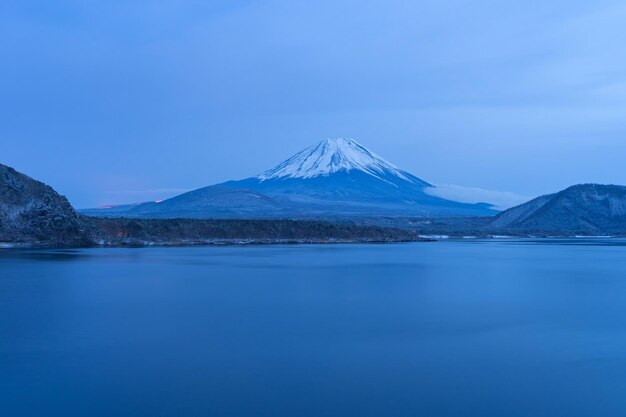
<point x="334" y="178"/>
<point x="342" y="177"/>
<point x="336" y="155"/>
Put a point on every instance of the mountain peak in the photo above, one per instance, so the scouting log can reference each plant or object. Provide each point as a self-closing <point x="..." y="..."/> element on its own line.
<point x="339" y="141"/>
<point x="334" y="155"/>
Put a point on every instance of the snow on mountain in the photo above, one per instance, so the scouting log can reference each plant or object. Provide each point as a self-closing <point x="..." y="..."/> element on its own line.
<point x="335" y="155"/>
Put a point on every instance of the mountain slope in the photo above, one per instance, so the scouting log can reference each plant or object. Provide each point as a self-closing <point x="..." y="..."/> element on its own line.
<point x="32" y="212"/>
<point x="584" y="209"/>
<point x="214" y="201"/>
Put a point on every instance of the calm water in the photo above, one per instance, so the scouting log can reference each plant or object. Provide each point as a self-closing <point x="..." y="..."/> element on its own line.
<point x="477" y="328"/>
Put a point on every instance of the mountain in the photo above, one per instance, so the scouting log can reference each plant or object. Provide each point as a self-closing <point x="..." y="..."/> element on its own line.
<point x="335" y="178"/>
<point x="340" y="176"/>
<point x="31" y="212"/>
<point x="580" y="209"/>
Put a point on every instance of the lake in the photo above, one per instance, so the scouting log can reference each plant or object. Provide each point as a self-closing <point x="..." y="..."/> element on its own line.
<point x="453" y="328"/>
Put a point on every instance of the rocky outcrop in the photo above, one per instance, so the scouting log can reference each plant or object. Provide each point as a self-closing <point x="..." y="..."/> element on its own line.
<point x="32" y="213"/>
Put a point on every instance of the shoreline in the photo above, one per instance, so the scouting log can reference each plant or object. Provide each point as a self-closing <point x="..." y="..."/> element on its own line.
<point x="216" y="242"/>
<point x="287" y="242"/>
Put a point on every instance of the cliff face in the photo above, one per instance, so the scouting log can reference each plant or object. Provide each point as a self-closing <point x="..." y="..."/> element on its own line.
<point x="33" y="213"/>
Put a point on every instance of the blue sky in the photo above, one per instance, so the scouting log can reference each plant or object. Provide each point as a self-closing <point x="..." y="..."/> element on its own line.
<point x="122" y="101"/>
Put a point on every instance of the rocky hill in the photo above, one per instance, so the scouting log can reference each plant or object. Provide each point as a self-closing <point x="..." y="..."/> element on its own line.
<point x="32" y="213"/>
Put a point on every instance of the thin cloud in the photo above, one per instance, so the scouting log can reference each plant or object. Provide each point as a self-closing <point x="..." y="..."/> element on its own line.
<point x="501" y="200"/>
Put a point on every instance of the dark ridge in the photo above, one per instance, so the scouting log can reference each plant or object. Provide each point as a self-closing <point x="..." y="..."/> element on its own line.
<point x="196" y="231"/>
<point x="579" y="209"/>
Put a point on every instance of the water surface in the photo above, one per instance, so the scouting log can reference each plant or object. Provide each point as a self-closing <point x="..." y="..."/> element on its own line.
<point x="472" y="328"/>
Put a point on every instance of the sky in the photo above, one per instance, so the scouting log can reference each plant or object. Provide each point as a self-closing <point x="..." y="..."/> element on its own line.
<point x="122" y="101"/>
